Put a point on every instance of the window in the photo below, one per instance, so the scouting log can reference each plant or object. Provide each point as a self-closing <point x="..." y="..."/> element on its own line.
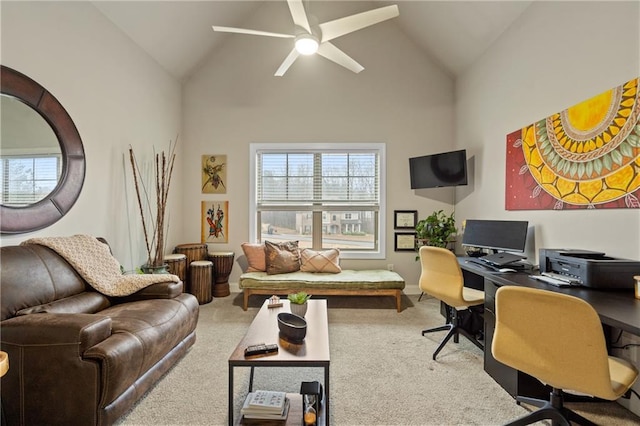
<point x="323" y="195"/>
<point x="26" y="180"/>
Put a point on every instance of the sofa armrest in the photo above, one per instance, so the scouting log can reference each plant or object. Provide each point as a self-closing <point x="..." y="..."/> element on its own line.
<point x="83" y="330"/>
<point x="49" y="378"/>
<point x="165" y="290"/>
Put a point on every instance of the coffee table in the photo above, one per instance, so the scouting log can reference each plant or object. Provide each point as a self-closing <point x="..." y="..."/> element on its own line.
<point x="313" y="352"/>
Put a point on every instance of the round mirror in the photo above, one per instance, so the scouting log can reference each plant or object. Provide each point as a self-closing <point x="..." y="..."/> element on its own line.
<point x="31" y="155"/>
<point x="42" y="163"/>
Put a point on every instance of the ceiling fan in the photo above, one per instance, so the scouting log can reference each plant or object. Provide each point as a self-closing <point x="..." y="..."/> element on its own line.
<point x="316" y="39"/>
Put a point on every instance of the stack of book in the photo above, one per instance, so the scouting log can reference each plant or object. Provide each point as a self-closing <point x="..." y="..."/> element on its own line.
<point x="265" y="405"/>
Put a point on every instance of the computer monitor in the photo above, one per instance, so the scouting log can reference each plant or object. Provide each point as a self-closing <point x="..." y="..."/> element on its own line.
<point x="496" y="235"/>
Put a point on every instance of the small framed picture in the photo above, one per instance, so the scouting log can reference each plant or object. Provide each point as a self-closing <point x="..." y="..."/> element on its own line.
<point x="405" y="219"/>
<point x="214" y="174"/>
<point x="405" y="241"/>
<point x="215" y="222"/>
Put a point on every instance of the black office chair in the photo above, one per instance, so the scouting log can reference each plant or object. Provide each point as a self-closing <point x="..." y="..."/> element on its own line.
<point x="441" y="278"/>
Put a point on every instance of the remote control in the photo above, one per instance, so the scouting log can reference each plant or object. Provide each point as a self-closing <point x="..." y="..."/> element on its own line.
<point x="260" y="349"/>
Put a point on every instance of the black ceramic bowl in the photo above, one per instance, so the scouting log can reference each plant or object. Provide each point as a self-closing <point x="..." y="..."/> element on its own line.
<point x="292" y="327"/>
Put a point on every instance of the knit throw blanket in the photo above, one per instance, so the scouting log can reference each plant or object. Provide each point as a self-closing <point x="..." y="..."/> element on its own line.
<point x="94" y="262"/>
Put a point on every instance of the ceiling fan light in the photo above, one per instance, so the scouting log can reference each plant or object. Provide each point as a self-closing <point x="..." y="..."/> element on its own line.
<point x="307" y="44"/>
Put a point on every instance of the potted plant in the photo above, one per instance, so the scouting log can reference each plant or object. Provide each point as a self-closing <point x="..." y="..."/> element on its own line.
<point x="153" y="207"/>
<point x="437" y="230"/>
<point x="299" y="303"/>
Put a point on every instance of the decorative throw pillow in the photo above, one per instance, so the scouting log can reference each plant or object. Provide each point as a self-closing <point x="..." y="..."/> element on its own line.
<point x="255" y="254"/>
<point x="320" y="261"/>
<point x="282" y="257"/>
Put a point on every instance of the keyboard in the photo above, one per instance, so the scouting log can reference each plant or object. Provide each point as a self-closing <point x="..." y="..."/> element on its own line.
<point x="570" y="280"/>
<point x="550" y="280"/>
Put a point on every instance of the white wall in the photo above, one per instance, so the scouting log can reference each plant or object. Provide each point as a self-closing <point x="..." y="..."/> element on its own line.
<point x="400" y="99"/>
<point x="116" y="95"/>
<point x="556" y="55"/>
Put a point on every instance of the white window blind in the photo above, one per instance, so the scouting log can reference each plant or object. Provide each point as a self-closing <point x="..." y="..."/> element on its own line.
<point x="26" y="180"/>
<point x="322" y="195"/>
<point x="348" y="179"/>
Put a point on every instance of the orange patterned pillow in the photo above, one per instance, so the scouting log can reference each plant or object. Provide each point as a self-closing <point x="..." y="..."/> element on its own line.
<point x="320" y="261"/>
<point x="255" y="257"/>
<point x="282" y="257"/>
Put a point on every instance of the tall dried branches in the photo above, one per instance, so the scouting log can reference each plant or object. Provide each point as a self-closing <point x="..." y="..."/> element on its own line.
<point x="163" y="170"/>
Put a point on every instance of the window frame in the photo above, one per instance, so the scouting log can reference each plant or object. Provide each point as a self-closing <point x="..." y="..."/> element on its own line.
<point x="254" y="148"/>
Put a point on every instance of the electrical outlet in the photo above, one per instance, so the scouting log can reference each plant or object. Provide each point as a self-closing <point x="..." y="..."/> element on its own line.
<point x="390" y="266"/>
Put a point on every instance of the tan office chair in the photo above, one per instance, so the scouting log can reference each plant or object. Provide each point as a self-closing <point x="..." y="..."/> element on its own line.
<point x="557" y="339"/>
<point x="441" y="278"/>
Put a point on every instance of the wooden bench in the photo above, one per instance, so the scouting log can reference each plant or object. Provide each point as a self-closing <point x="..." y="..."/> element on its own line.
<point x="345" y="283"/>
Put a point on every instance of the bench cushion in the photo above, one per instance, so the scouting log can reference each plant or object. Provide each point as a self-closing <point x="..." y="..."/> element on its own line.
<point x="347" y="279"/>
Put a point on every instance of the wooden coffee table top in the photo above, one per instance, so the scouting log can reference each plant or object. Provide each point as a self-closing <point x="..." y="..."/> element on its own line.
<point x="314" y="350"/>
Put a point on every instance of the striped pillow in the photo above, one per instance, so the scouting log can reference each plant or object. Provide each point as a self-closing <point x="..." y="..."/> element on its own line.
<point x="320" y="261"/>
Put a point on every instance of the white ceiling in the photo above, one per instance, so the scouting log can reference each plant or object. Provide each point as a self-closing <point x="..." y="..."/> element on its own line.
<point x="178" y="34"/>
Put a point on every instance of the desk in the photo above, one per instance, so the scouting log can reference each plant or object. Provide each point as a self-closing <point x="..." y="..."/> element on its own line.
<point x="618" y="309"/>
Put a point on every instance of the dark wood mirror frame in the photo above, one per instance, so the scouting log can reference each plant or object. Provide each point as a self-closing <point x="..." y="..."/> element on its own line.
<point x="18" y="220"/>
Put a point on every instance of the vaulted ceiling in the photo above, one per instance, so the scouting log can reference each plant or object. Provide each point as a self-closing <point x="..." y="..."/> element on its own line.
<point x="178" y="34"/>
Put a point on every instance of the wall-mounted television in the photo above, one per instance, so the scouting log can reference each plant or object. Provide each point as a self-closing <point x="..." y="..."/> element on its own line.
<point x="437" y="170"/>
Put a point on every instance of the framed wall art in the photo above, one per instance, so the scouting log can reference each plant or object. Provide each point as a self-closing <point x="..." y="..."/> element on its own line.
<point x="405" y="241"/>
<point x="583" y="157"/>
<point x="215" y="222"/>
<point x="214" y="174"/>
<point x="405" y="219"/>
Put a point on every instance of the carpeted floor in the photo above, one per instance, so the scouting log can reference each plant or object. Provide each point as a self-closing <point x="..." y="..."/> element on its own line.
<point x="381" y="372"/>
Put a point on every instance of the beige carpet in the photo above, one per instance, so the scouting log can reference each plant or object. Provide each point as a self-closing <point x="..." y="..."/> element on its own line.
<point x="381" y="372"/>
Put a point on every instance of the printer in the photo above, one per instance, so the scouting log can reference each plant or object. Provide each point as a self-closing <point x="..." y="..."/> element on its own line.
<point x="590" y="268"/>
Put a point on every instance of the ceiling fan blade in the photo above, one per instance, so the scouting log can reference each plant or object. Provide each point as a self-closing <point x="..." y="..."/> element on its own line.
<point x="336" y="55"/>
<point x="298" y="14"/>
<point x="349" y="24"/>
<point x="288" y="61"/>
<point x="250" y="32"/>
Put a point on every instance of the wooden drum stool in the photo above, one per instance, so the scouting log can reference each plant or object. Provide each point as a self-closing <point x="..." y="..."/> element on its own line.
<point x="177" y="265"/>
<point x="194" y="252"/>
<point x="200" y="273"/>
<point x="222" y="265"/>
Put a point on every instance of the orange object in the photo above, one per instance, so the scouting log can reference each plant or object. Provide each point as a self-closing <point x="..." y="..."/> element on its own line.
<point x="4" y="364"/>
<point x="309" y="418"/>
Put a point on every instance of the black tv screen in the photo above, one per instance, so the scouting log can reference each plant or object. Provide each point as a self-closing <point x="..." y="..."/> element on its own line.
<point x="507" y="235"/>
<point x="437" y="170"/>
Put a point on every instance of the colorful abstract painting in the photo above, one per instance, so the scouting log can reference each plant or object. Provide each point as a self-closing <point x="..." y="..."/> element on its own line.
<point x="215" y="222"/>
<point x="585" y="157"/>
<point x="214" y="174"/>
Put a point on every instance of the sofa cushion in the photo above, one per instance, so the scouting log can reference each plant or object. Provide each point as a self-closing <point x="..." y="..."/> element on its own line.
<point x="143" y="332"/>
<point x="88" y="302"/>
<point x="320" y="261"/>
<point x="282" y="257"/>
<point x="35" y="275"/>
<point x="347" y="279"/>
<point x="255" y="257"/>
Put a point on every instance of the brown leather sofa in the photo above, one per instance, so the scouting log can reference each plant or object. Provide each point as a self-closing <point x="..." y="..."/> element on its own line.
<point x="78" y="357"/>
